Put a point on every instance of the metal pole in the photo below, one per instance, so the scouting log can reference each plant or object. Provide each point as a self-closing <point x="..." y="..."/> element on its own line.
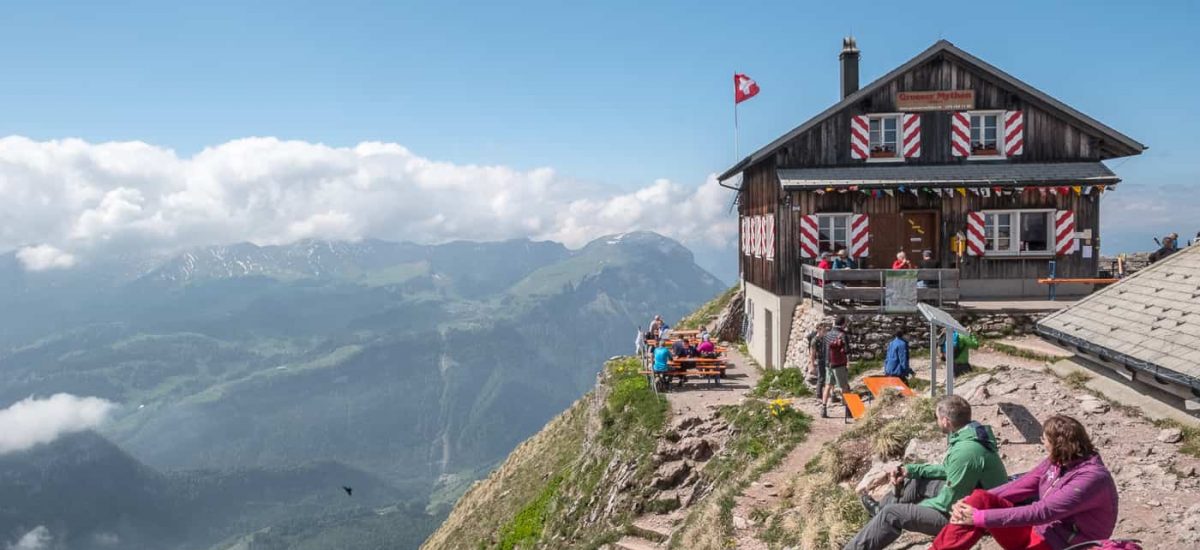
<point x="932" y="359"/>
<point x="1053" y="287"/>
<point x="736" y="155"/>
<point x="950" y="362"/>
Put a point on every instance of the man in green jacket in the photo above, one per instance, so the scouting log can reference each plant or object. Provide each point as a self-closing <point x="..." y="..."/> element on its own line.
<point x="926" y="492"/>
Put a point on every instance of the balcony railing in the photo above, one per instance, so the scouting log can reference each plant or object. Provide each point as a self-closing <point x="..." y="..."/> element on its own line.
<point x="867" y="288"/>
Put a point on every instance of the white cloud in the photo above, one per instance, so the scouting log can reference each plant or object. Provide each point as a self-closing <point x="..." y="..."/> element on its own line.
<point x="43" y="257"/>
<point x="33" y="421"/>
<point x="77" y="199"/>
<point x="36" y="539"/>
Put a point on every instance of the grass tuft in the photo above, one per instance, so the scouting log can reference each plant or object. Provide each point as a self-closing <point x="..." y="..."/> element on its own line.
<point x="708" y="311"/>
<point x="787" y="382"/>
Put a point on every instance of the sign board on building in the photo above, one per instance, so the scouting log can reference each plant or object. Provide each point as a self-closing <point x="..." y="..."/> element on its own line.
<point x="938" y="100"/>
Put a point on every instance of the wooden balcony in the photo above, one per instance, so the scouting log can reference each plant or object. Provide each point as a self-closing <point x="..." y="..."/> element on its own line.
<point x="866" y="289"/>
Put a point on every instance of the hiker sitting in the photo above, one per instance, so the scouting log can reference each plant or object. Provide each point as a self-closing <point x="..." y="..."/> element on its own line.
<point x="683" y="348"/>
<point x="1076" y="499"/>
<point x="662" y="361"/>
<point x="843" y="261"/>
<point x="706" y="348"/>
<point x="837" y="357"/>
<point x="896" y="361"/>
<point x="902" y="261"/>
<point x="924" y="493"/>
<point x="664" y="331"/>
<point x="927" y="262"/>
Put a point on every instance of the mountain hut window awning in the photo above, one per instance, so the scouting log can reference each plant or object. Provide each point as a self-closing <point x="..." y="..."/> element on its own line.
<point x="959" y="175"/>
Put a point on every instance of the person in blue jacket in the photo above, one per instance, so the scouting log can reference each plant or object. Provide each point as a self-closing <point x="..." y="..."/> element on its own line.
<point x="896" y="361"/>
<point x="662" y="357"/>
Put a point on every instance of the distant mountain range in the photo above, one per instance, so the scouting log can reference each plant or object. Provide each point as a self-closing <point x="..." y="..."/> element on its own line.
<point x="416" y="366"/>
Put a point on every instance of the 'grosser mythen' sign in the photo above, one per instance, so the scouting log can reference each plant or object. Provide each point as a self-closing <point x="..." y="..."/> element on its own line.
<point x="944" y="100"/>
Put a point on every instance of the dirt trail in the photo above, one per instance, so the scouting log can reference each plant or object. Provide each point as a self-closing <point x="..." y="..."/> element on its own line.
<point x="764" y="494"/>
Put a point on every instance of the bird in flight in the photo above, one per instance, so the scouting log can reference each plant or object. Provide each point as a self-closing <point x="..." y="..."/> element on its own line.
<point x="349" y="490"/>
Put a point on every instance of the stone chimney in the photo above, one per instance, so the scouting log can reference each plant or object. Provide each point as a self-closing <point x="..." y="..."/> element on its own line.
<point x="849" y="59"/>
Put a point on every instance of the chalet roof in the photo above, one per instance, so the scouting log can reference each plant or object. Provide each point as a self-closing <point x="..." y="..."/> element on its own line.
<point x="964" y="175"/>
<point x="1148" y="321"/>
<point x="940" y="47"/>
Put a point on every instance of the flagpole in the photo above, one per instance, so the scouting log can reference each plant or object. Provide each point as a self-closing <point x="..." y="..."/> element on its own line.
<point x="736" y="157"/>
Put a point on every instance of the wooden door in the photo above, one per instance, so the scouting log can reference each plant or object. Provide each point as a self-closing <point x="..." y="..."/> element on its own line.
<point x="920" y="230"/>
<point x="885" y="240"/>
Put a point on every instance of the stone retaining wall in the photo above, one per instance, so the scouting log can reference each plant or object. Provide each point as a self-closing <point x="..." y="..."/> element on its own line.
<point x="870" y="333"/>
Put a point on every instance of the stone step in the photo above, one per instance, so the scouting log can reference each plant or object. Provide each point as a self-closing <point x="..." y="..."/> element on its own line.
<point x="657" y="529"/>
<point x="630" y="542"/>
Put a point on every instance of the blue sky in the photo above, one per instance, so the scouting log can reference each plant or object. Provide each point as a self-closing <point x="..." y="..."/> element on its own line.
<point x="614" y="94"/>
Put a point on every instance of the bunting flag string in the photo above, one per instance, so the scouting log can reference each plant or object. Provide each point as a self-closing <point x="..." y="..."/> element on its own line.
<point x="1078" y="190"/>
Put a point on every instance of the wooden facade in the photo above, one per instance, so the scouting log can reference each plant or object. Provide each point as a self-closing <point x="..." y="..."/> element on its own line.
<point x="1053" y="134"/>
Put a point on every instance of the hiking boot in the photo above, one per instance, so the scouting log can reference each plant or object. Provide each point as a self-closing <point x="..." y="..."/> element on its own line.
<point x="824" y="413"/>
<point x="870" y="504"/>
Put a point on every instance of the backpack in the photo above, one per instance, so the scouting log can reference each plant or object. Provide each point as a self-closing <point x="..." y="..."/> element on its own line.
<point x="837" y="350"/>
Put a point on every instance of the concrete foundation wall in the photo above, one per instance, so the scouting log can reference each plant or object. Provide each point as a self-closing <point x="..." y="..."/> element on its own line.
<point x="758" y="303"/>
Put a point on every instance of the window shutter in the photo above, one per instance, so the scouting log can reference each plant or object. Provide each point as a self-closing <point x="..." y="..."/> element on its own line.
<point x="808" y="236"/>
<point x="753" y="236"/>
<point x="769" y="232"/>
<point x="860" y="235"/>
<point x="745" y="235"/>
<point x="910" y="124"/>
<point x="860" y="137"/>
<point x="960" y="134"/>
<point x="1064" y="232"/>
<point x="975" y="234"/>
<point x="1014" y="133"/>
<point x="757" y="244"/>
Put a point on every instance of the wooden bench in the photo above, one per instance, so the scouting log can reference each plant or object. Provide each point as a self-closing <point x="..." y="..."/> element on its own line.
<point x="855" y="408"/>
<point x="712" y="375"/>
<point x="1080" y="280"/>
<point x="880" y="384"/>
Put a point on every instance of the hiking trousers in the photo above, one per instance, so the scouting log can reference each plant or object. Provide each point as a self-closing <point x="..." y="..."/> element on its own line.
<point x="964" y="537"/>
<point x="899" y="514"/>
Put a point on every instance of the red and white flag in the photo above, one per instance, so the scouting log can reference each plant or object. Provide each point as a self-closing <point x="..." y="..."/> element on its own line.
<point x="744" y="88"/>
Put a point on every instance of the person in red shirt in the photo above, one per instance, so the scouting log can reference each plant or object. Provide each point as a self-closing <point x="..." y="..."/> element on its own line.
<point x="902" y="261"/>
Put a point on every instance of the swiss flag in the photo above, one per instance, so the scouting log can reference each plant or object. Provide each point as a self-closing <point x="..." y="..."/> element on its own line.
<point x="744" y="88"/>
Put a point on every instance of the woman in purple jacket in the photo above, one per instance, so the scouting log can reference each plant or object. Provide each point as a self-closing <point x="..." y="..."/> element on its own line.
<point x="1076" y="499"/>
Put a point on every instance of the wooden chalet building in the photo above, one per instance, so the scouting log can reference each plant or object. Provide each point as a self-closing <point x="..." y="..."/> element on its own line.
<point x="945" y="153"/>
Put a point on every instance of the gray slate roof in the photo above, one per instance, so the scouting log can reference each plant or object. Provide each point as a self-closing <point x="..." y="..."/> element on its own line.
<point x="940" y="47"/>
<point x="968" y="175"/>
<point x="1150" y="320"/>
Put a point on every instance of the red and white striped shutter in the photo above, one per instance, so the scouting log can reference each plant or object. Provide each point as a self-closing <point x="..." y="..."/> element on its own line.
<point x="769" y="251"/>
<point x="756" y="231"/>
<point x="745" y="235"/>
<point x="753" y="236"/>
<point x="1014" y="133"/>
<point x="960" y="134"/>
<point x="1064" y="232"/>
<point x="809" y="244"/>
<point x="860" y="235"/>
<point x="910" y="123"/>
<point x="975" y="234"/>
<point x="860" y="137"/>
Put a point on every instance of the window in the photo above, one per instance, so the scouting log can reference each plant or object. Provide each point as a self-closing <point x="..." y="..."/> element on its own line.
<point x="833" y="232"/>
<point x="884" y="136"/>
<point x="985" y="132"/>
<point x="1019" y="232"/>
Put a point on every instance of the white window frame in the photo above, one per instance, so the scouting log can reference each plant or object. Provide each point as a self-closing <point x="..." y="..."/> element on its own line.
<point x="1015" y="233"/>
<point x="899" y="137"/>
<point x="830" y="215"/>
<point x="999" y="135"/>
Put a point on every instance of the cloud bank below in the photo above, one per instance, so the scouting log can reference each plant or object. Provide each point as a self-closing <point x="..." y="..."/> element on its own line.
<point x="34" y="421"/>
<point x="69" y="200"/>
